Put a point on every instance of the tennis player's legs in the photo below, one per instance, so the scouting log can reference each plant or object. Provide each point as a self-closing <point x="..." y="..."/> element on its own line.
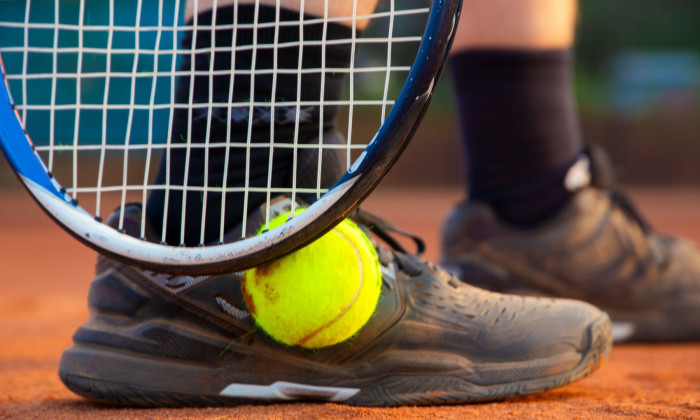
<point x="233" y="124"/>
<point x="162" y="340"/>
<point x="541" y="206"/>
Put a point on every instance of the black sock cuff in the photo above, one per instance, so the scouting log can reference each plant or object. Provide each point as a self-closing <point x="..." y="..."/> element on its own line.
<point x="476" y="66"/>
<point x="499" y="57"/>
<point x="549" y="178"/>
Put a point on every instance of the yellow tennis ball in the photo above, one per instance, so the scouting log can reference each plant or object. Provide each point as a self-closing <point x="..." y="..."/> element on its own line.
<point x="319" y="295"/>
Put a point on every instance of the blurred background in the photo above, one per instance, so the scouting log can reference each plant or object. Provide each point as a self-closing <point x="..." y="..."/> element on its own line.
<point x="638" y="89"/>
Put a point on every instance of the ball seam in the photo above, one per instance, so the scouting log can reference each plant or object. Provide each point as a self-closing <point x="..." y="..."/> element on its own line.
<point x="345" y="310"/>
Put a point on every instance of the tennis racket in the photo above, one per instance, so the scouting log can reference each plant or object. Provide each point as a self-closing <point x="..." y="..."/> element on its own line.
<point x="87" y="110"/>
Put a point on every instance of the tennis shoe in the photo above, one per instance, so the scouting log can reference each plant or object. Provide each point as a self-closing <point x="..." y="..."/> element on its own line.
<point x="159" y="340"/>
<point x="598" y="249"/>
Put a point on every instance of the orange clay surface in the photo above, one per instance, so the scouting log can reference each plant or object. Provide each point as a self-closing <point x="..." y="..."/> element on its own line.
<point x="44" y="279"/>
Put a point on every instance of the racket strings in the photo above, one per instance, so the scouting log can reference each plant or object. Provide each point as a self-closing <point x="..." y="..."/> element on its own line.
<point x="95" y="84"/>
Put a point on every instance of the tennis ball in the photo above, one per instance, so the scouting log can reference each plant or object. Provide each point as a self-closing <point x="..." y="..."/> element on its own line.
<point x="319" y="295"/>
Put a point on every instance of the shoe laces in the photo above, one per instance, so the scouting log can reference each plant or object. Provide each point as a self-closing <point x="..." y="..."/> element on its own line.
<point x="410" y="263"/>
<point x="621" y="200"/>
<point x="603" y="177"/>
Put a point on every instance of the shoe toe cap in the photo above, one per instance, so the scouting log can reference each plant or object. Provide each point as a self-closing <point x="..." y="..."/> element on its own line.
<point x="532" y="328"/>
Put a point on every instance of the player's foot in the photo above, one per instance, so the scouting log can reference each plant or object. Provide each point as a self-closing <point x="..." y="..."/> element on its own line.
<point x="157" y="340"/>
<point x="597" y="248"/>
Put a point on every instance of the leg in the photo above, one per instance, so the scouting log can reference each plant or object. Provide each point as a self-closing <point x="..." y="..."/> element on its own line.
<point x="515" y="104"/>
<point x="522" y="25"/>
<point x="249" y="168"/>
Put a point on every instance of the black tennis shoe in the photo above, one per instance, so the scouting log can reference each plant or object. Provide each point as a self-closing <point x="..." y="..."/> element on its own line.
<point x="157" y="340"/>
<point x="597" y="248"/>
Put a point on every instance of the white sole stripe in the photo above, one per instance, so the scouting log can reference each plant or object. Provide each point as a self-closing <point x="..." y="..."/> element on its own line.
<point x="289" y="391"/>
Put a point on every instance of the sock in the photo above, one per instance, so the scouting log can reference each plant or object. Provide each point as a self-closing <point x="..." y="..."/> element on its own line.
<point x="283" y="118"/>
<point x="519" y="129"/>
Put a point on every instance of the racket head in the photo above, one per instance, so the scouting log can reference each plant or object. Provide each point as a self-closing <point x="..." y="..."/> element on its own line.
<point x="337" y="203"/>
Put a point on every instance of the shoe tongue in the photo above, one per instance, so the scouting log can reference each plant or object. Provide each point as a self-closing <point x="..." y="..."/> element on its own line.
<point x="257" y="218"/>
<point x="279" y="205"/>
<point x="130" y="222"/>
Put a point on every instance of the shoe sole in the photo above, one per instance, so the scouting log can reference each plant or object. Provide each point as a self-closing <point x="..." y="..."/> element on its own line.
<point x="118" y="377"/>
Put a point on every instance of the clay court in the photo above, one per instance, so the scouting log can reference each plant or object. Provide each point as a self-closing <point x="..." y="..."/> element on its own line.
<point x="45" y="278"/>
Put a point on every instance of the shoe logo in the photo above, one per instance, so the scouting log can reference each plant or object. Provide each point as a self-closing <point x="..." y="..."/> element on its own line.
<point x="289" y="391"/>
